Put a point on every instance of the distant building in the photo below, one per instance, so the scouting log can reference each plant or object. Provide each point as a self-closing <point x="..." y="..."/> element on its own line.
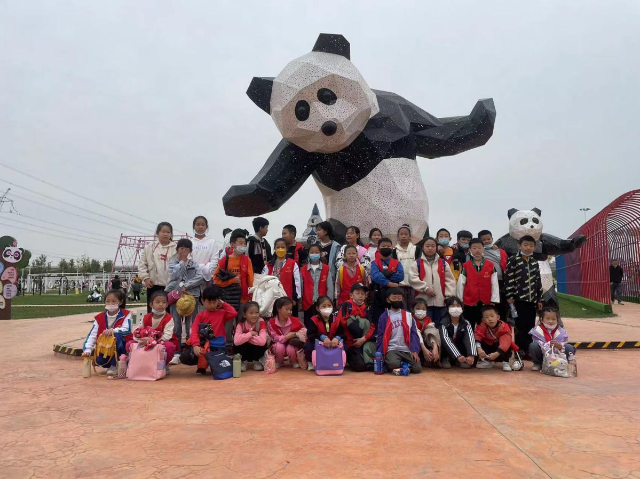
<point x="309" y="235"/>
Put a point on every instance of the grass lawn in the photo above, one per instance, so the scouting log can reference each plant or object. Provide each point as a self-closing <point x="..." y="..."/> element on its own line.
<point x="569" y="309"/>
<point x="50" y="298"/>
<point x="30" y="313"/>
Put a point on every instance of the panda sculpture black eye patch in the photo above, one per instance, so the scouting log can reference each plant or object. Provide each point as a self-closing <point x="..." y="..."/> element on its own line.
<point x="536" y="220"/>
<point x="524" y="221"/>
<point x="326" y="96"/>
<point x="302" y="110"/>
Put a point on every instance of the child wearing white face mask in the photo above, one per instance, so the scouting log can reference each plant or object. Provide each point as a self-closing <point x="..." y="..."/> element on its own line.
<point x="324" y="327"/>
<point x="114" y="321"/>
<point x="456" y="333"/>
<point x="428" y="334"/>
<point x="546" y="335"/>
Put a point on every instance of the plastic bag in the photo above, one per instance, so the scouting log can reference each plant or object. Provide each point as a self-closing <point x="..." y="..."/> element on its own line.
<point x="269" y="363"/>
<point x="555" y="363"/>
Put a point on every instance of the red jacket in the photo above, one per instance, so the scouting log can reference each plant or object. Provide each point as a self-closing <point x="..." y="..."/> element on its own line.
<point x="296" y="325"/>
<point x="146" y="322"/>
<point x="244" y="275"/>
<point x="308" y="285"/>
<point x="101" y="319"/>
<point x="478" y="286"/>
<point x="286" y="276"/>
<point x="349" y="308"/>
<point x="501" y="333"/>
<point x="216" y="319"/>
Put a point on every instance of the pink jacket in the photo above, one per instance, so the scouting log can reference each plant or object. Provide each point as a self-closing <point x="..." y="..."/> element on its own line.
<point x="277" y="338"/>
<point x="243" y="333"/>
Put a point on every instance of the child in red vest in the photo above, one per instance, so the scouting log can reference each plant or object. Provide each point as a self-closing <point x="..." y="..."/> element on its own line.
<point x="499" y="258"/>
<point x="218" y="314"/>
<point x="286" y="270"/>
<point x="493" y="340"/>
<point x="288" y="334"/>
<point x="161" y="321"/>
<point x="375" y="235"/>
<point x="477" y="284"/>
<point x="386" y="272"/>
<point x="358" y="329"/>
<point x="351" y="272"/>
<point x="431" y="277"/>
<point x="315" y="282"/>
<point x="324" y="326"/>
<point x="295" y="250"/>
<point x="397" y="336"/>
<point x="250" y="339"/>
<point x="428" y="334"/>
<point x="115" y="321"/>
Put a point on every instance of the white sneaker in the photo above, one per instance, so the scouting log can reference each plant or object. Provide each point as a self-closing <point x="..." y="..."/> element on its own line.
<point x="484" y="364"/>
<point x="310" y="367"/>
<point x="243" y="366"/>
<point x="296" y="365"/>
<point x="506" y="366"/>
<point x="112" y="371"/>
<point x="257" y="366"/>
<point x="175" y="360"/>
<point x="536" y="367"/>
<point x="102" y="371"/>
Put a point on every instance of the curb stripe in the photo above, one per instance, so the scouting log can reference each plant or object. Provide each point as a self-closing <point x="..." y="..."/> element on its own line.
<point x="606" y="345"/>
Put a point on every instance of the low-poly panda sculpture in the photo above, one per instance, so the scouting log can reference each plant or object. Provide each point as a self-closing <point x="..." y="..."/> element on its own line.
<point x="359" y="144"/>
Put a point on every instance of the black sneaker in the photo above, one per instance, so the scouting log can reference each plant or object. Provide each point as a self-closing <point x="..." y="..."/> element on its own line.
<point x="201" y="371"/>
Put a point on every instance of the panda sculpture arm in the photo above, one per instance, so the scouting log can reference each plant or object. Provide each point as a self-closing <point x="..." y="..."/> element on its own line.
<point x="285" y="171"/>
<point x="456" y="134"/>
<point x="552" y="245"/>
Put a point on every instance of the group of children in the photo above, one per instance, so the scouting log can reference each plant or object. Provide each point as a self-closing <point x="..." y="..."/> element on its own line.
<point x="430" y="304"/>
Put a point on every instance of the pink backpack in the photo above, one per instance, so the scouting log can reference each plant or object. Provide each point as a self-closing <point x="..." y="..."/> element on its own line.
<point x="147" y="365"/>
<point x="328" y="361"/>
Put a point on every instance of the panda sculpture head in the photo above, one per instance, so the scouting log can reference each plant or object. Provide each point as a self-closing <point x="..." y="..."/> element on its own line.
<point x="525" y="222"/>
<point x="12" y="254"/>
<point x="320" y="101"/>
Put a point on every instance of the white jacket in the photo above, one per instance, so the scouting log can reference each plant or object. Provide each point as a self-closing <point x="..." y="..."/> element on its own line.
<point x="406" y="257"/>
<point x="154" y="261"/>
<point x="432" y="281"/>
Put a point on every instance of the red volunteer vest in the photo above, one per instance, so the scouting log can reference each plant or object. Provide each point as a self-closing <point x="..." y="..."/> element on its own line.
<point x="244" y="274"/>
<point x="387" y="331"/>
<point x="393" y="264"/>
<point x="101" y="319"/>
<point x="322" y="329"/>
<point x="368" y="245"/>
<point x="478" y="286"/>
<point x="286" y="276"/>
<point x="347" y="282"/>
<point x="308" y="285"/>
<point x="296" y="325"/>
<point x="422" y="272"/>
<point x="146" y="321"/>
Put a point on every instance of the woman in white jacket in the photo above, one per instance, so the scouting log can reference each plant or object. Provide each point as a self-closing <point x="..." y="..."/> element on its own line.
<point x="431" y="277"/>
<point x="154" y="260"/>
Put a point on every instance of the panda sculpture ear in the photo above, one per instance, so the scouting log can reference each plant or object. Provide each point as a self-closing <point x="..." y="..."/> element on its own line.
<point x="333" y="43"/>
<point x="511" y="212"/>
<point x="260" y="92"/>
<point x="537" y="211"/>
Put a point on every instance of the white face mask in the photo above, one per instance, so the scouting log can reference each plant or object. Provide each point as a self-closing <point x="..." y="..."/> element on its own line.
<point x="455" y="311"/>
<point x="241" y="249"/>
<point x="550" y="327"/>
<point x="420" y="313"/>
<point x="156" y="312"/>
<point x="112" y="308"/>
<point x="326" y="312"/>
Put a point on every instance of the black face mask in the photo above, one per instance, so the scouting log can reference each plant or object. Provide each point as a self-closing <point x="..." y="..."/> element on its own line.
<point x="386" y="252"/>
<point x="396" y="304"/>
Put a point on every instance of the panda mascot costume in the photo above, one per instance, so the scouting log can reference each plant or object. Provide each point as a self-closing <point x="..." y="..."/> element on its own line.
<point x="529" y="222"/>
<point x="359" y="144"/>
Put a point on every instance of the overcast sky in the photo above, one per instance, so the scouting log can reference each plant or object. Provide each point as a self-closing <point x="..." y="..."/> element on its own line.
<point x="142" y="106"/>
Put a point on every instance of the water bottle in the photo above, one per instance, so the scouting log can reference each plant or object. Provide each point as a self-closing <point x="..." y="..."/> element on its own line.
<point x="237" y="366"/>
<point x="378" y="364"/>
<point x="122" y="366"/>
<point x="86" y="368"/>
<point x="514" y="311"/>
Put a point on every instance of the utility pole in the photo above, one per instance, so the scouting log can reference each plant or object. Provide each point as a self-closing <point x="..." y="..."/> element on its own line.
<point x="4" y="199"/>
<point x="585" y="213"/>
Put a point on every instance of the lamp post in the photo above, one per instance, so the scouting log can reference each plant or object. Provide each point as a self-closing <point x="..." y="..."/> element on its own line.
<point x="585" y="213"/>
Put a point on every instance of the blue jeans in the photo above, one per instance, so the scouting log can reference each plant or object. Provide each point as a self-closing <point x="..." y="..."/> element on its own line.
<point x="616" y="292"/>
<point x="536" y="352"/>
<point x="436" y="313"/>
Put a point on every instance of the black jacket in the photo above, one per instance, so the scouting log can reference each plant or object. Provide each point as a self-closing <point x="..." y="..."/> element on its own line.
<point x="254" y="252"/>
<point x="464" y="336"/>
<point x="615" y="274"/>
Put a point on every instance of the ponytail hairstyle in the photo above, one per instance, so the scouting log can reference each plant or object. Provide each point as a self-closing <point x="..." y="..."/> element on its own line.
<point x="280" y="303"/>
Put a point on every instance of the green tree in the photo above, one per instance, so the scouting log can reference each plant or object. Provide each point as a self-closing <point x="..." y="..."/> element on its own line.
<point x="39" y="265"/>
<point x="84" y="264"/>
<point x="72" y="265"/>
<point x="63" y="265"/>
<point x="95" y="266"/>
<point x="107" y="265"/>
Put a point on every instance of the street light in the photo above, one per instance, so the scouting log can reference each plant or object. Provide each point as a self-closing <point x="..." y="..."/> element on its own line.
<point x="585" y="213"/>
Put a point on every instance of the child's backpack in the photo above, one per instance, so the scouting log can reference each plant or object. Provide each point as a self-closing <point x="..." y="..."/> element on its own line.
<point x="328" y="361"/>
<point x="106" y="347"/>
<point x="221" y="365"/>
<point x="147" y="364"/>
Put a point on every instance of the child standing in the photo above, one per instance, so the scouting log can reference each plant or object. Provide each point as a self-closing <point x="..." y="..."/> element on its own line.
<point x="432" y="279"/>
<point x="204" y="247"/>
<point x="329" y="248"/>
<point x="458" y="340"/>
<point x="478" y="283"/>
<point x="546" y="335"/>
<point x="217" y="313"/>
<point x="162" y="322"/>
<point x="250" y="339"/>
<point x="154" y="260"/>
<point x="324" y="327"/>
<point x="115" y="321"/>
<point x="295" y="250"/>
<point x="258" y="248"/>
<point x="460" y="252"/>
<point x="405" y="252"/>
<point x="443" y="238"/>
<point x="234" y="274"/>
<point x="287" y="333"/>
<point x="498" y="257"/>
<point x="523" y="289"/>
<point x="286" y="270"/>
<point x="358" y="329"/>
<point x="375" y="235"/>
<point x="315" y="283"/>
<point x="386" y="272"/>
<point x="428" y="334"/>
<point x="352" y="238"/>
<point x="397" y="336"/>
<point x="349" y="273"/>
<point x="493" y="339"/>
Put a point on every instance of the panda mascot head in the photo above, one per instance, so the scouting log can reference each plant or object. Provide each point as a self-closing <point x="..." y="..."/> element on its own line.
<point x="525" y="222"/>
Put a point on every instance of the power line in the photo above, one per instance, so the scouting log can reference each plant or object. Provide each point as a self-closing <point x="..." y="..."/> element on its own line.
<point x="74" y="193"/>
<point x="68" y="204"/>
<point x="4" y="199"/>
<point x="59" y="236"/>
<point x="59" y="225"/>
<point x="57" y="231"/>
<point x="75" y="214"/>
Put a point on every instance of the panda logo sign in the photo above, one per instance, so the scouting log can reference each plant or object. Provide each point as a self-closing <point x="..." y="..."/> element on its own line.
<point x="11" y="259"/>
<point x="359" y="144"/>
<point x="12" y="254"/>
